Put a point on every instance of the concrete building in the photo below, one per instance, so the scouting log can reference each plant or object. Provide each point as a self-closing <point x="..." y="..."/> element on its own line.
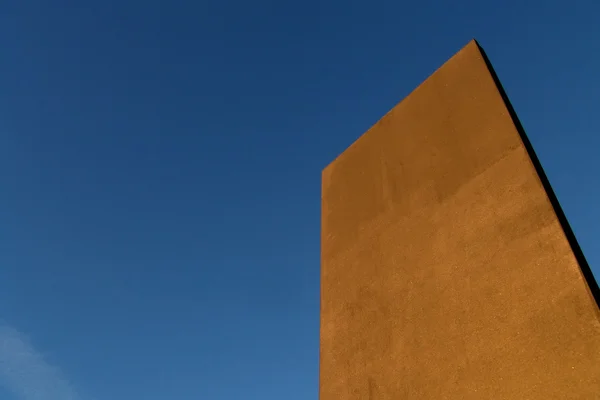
<point x="448" y="268"/>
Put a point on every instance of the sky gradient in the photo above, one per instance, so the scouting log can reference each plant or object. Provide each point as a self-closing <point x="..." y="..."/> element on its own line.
<point x="160" y="174"/>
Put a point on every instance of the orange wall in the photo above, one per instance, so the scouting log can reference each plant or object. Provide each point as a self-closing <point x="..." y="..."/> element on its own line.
<point x="446" y="273"/>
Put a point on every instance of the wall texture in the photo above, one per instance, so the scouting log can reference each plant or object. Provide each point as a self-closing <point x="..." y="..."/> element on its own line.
<point x="448" y="269"/>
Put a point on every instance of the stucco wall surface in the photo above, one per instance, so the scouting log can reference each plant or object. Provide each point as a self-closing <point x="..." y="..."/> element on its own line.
<point x="446" y="273"/>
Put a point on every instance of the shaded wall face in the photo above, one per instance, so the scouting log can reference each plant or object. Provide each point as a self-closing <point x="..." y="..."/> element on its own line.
<point x="445" y="271"/>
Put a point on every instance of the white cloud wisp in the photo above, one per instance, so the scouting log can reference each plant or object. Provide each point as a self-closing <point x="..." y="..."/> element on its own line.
<point x="24" y="371"/>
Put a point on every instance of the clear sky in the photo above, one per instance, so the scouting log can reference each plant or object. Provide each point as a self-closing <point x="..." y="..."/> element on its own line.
<point x="160" y="173"/>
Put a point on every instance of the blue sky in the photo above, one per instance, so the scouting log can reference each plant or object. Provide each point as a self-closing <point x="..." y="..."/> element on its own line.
<point x="160" y="174"/>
